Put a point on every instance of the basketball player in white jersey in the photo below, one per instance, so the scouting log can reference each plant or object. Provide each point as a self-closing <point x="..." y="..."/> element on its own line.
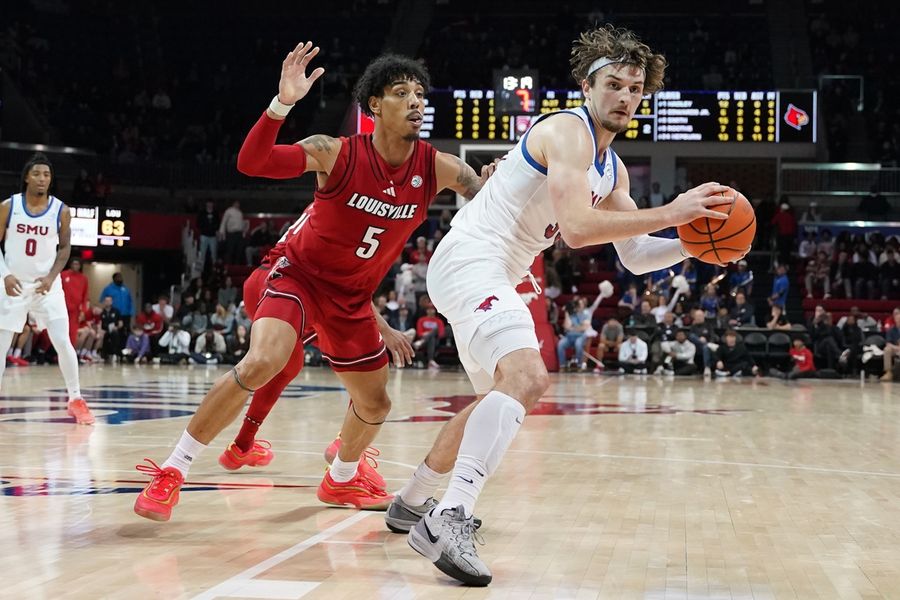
<point x="35" y="225"/>
<point x="548" y="185"/>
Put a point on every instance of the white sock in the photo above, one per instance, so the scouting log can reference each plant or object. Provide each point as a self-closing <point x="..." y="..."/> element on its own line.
<point x="184" y="454"/>
<point x="342" y="472"/>
<point x="17" y="353"/>
<point x="489" y="432"/>
<point x="58" y="330"/>
<point x="421" y="486"/>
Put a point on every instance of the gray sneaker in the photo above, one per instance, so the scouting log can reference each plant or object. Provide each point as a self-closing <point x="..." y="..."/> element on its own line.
<point x="447" y="541"/>
<point x="401" y="517"/>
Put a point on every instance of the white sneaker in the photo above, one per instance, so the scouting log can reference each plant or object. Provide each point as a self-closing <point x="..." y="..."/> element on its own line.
<point x="447" y="540"/>
<point x="720" y="374"/>
<point x="707" y="373"/>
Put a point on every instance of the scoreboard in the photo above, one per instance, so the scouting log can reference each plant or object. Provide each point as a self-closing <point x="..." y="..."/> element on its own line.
<point x="678" y="116"/>
<point x="99" y="226"/>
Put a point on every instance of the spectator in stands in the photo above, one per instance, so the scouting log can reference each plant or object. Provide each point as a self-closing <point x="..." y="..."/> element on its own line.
<point x="178" y="343"/>
<point x="742" y="313"/>
<point x="186" y="307"/>
<point x="443" y="224"/>
<point x="630" y="299"/>
<point x="891" y="347"/>
<point x="865" y="273"/>
<point x="75" y="290"/>
<point x="420" y="252"/>
<point x="662" y="307"/>
<point x="209" y="349"/>
<point x="889" y="276"/>
<point x="633" y="355"/>
<point x="208" y="226"/>
<point x="892" y="245"/>
<point x="811" y="214"/>
<point x="238" y="345"/>
<point x="113" y="327"/>
<point x="568" y="269"/>
<point x="780" y="286"/>
<point x="818" y="272"/>
<point x="853" y="337"/>
<point x="227" y="295"/>
<point x="825" y="336"/>
<point x="701" y="335"/>
<point x="231" y="230"/>
<point x="874" y="206"/>
<point x="222" y="320"/>
<point x="164" y="309"/>
<point x="121" y="298"/>
<point x="151" y="323"/>
<point x="804" y="367"/>
<point x="575" y="325"/>
<point x="826" y="244"/>
<point x="687" y="270"/>
<point x="741" y="280"/>
<point x="785" y="225"/>
<point x="664" y="334"/>
<point x="241" y="317"/>
<point x="137" y="346"/>
<point x="808" y="246"/>
<point x="778" y="321"/>
<point x="710" y="301"/>
<point x="553" y="286"/>
<point x="420" y="273"/>
<point x="680" y="353"/>
<point x="864" y="321"/>
<point x="261" y="238"/>
<point x="197" y="321"/>
<point x="404" y="323"/>
<point x="842" y="274"/>
<point x="404" y="284"/>
<point x="430" y="330"/>
<point x="644" y="318"/>
<point x="656" y="196"/>
<point x="611" y="337"/>
<point x="733" y="358"/>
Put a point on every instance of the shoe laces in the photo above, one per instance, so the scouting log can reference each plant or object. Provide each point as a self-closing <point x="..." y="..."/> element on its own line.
<point x="369" y="455"/>
<point x="463" y="529"/>
<point x="163" y="480"/>
<point x="362" y="481"/>
<point x="261" y="445"/>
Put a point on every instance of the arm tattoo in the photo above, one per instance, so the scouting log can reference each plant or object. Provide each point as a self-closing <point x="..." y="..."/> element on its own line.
<point x="321" y="143"/>
<point x="467" y="178"/>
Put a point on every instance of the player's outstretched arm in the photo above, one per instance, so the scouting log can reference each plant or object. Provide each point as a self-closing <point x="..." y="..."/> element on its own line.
<point x="63" y="250"/>
<point x="455" y="174"/>
<point x="259" y="155"/>
<point x="566" y="148"/>
<point x="10" y="282"/>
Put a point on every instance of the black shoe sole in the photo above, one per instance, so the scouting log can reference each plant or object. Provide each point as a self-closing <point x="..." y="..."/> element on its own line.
<point x="448" y="568"/>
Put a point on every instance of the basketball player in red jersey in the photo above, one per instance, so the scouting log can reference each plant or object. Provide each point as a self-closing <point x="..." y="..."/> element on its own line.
<point x="372" y="192"/>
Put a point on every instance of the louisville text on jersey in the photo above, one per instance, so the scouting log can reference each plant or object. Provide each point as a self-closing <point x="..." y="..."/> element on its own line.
<point x="376" y="207"/>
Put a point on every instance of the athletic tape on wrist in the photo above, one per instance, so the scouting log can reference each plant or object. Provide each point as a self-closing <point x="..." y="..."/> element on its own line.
<point x="279" y="108"/>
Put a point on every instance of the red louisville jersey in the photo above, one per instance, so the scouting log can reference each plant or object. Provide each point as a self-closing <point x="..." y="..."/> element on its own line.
<point x="358" y="223"/>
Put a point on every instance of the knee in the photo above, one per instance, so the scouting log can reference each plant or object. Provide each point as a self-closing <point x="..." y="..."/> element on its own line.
<point x="255" y="370"/>
<point x="373" y="408"/>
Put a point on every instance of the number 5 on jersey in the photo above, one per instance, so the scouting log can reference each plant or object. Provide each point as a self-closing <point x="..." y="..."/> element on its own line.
<point x="370" y="243"/>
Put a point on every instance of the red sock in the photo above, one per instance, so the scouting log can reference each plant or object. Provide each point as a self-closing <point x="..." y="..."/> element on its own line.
<point x="265" y="398"/>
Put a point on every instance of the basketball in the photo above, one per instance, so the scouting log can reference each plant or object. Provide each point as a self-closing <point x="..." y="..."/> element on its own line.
<point x="725" y="241"/>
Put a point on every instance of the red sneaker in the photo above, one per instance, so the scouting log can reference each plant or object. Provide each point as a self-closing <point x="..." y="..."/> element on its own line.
<point x="78" y="408"/>
<point x="258" y="456"/>
<point x="161" y="494"/>
<point x="359" y="492"/>
<point x="17" y="361"/>
<point x="367" y="462"/>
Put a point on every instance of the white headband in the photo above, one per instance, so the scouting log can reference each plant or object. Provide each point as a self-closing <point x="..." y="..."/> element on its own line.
<point x="603" y="61"/>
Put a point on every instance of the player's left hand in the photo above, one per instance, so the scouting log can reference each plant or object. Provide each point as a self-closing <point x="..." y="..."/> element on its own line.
<point x="399" y="347"/>
<point x="488" y="170"/>
<point x="44" y="284"/>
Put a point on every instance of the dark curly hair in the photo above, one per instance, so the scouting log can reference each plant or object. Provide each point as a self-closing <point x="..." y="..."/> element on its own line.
<point x="383" y="71"/>
<point x="616" y="43"/>
<point x="38" y="158"/>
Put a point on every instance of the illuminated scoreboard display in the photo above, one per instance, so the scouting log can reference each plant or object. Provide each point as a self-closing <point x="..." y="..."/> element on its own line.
<point x="99" y="226"/>
<point x="699" y="116"/>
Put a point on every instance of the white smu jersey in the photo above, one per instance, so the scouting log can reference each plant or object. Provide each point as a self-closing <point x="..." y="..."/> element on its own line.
<point x="512" y="218"/>
<point x="31" y="240"/>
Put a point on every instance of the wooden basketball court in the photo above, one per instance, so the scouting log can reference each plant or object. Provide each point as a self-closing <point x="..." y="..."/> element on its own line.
<point x="618" y="488"/>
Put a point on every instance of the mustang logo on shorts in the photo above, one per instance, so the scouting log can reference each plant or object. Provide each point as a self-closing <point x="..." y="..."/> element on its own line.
<point x="487" y="304"/>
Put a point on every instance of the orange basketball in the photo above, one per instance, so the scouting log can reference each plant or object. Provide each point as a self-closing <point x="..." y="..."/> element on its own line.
<point x="725" y="241"/>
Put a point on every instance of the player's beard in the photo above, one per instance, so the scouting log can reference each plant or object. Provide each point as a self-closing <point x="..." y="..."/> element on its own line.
<point x="411" y="137"/>
<point x="613" y="127"/>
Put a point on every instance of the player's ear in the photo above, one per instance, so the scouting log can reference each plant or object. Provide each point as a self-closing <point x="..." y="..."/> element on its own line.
<point x="586" y="89"/>
<point x="375" y="105"/>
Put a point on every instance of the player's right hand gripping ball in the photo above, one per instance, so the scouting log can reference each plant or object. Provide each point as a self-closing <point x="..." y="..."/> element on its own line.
<point x="721" y="241"/>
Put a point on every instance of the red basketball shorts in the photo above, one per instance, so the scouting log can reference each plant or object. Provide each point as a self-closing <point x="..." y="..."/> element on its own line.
<point x="346" y="329"/>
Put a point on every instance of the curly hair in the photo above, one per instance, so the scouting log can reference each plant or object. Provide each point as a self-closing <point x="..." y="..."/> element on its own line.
<point x="611" y="42"/>
<point x="38" y="158"/>
<point x="383" y="71"/>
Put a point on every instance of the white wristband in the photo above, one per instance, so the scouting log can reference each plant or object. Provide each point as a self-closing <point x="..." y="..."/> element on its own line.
<point x="279" y="108"/>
